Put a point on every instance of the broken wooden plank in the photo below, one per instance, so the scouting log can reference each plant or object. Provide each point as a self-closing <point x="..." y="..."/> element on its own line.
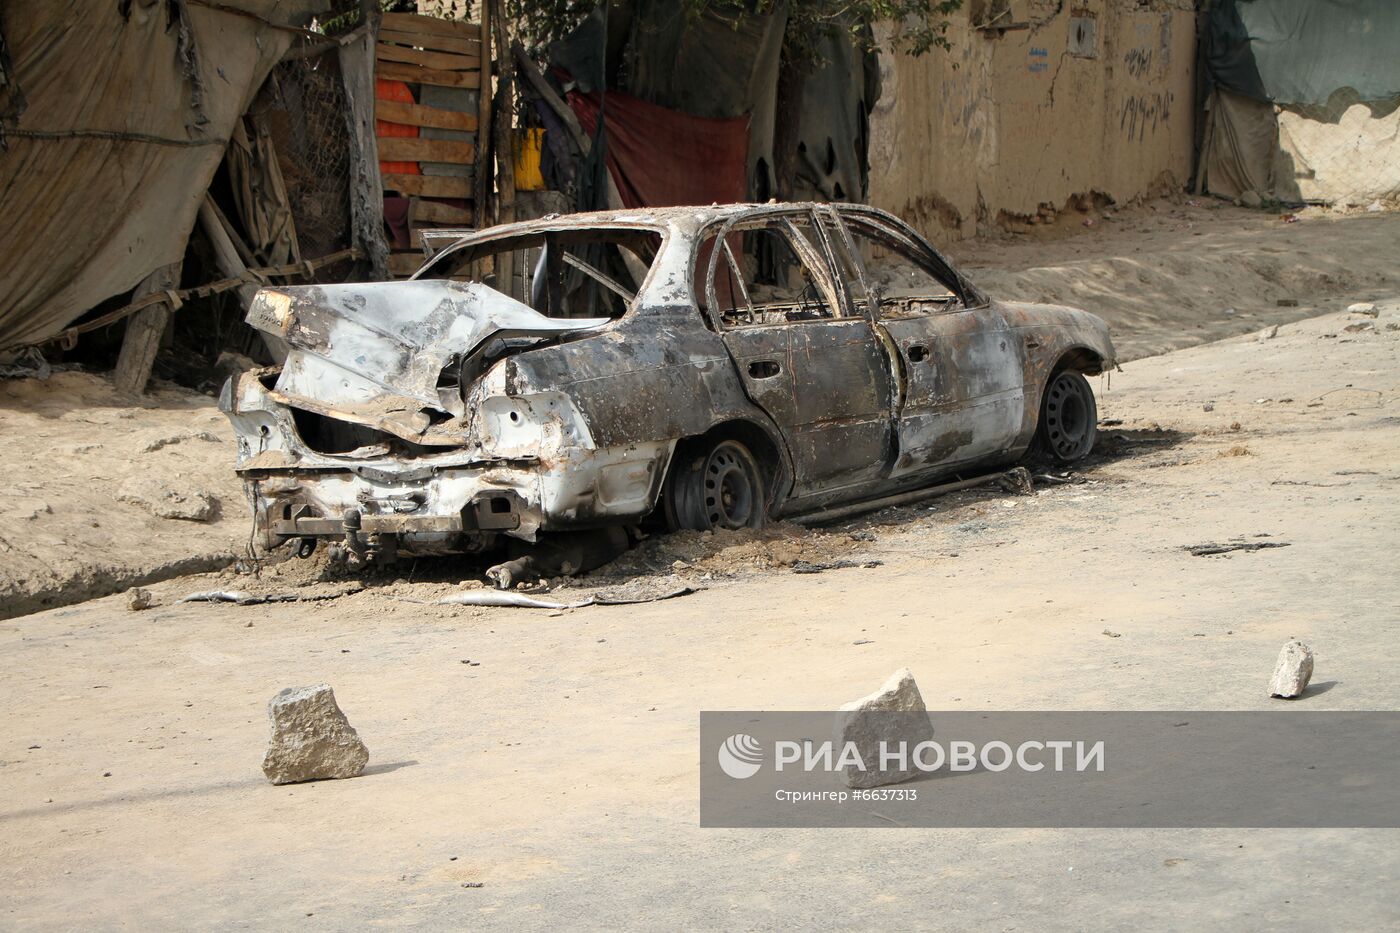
<point x="396" y="71"/>
<point x="433" y="43"/>
<point x="407" y="149"/>
<point x="444" y="60"/>
<point x="404" y="264"/>
<point x="144" y="330"/>
<point x="433" y="212"/>
<point x="419" y="115"/>
<point x="482" y="194"/>
<point x="431" y="186"/>
<point x="430" y="25"/>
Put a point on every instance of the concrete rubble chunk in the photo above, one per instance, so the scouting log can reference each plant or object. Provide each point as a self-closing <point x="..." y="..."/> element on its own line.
<point x="895" y="713"/>
<point x="311" y="738"/>
<point x="1292" y="672"/>
<point x="1367" y="308"/>
<point x="138" y="599"/>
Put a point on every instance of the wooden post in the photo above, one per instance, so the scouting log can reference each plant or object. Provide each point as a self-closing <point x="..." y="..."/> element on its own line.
<point x="503" y="119"/>
<point x="144" y="330"/>
<point x="366" y="186"/>
<point x="227" y="257"/>
<point x="482" y="188"/>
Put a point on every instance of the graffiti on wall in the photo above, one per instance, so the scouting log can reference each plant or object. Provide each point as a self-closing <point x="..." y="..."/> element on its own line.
<point x="1139" y="62"/>
<point x="1142" y="112"/>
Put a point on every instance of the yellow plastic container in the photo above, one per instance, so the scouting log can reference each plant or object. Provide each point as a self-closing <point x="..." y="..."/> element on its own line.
<point x="527" y="161"/>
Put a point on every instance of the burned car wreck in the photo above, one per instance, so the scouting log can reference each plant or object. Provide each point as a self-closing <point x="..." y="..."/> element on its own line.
<point x="566" y="379"/>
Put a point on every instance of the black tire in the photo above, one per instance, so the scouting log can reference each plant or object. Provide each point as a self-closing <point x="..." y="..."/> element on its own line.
<point x="716" y="486"/>
<point x="1069" y="418"/>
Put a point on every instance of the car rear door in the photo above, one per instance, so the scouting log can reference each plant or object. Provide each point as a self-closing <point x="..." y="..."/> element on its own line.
<point x="962" y="394"/>
<point x="820" y="374"/>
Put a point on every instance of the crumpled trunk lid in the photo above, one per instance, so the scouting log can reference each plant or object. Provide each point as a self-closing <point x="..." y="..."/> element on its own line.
<point x="373" y="353"/>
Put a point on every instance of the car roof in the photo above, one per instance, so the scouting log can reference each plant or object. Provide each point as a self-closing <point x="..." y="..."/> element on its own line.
<point x="687" y="217"/>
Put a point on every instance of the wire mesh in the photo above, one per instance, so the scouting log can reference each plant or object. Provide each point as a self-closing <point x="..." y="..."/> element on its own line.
<point x="304" y="108"/>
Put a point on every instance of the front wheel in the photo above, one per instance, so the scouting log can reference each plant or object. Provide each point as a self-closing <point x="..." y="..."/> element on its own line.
<point x="1068" y="418"/>
<point x="719" y="487"/>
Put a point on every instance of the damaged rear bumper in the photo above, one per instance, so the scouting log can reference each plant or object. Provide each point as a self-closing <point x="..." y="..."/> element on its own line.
<point x="448" y="500"/>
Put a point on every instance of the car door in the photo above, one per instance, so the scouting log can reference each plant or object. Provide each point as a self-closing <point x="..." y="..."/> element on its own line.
<point x="962" y="394"/>
<point x="822" y="376"/>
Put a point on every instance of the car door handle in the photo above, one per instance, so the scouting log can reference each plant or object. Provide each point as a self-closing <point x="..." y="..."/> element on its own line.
<point x="917" y="352"/>
<point x="764" y="369"/>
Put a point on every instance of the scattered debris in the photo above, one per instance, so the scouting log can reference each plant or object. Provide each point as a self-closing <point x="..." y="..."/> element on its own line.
<point x="1268" y="334"/>
<point x="863" y="641"/>
<point x="621" y="596"/>
<point x="895" y="713"/>
<point x="240" y="597"/>
<point x="244" y="598"/>
<point x="311" y="738"/>
<point x="1368" y="308"/>
<point x="1208" y="550"/>
<point x="1016" y="480"/>
<point x="1286" y="303"/>
<point x="803" y="566"/>
<point x="1113" y="634"/>
<point x="1059" y="479"/>
<point x="1208" y="407"/>
<point x="1360" y="327"/>
<point x="138" y="599"/>
<point x="1292" y="672"/>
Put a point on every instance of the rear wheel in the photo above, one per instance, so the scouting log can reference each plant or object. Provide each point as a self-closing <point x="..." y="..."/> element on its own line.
<point x="720" y="486"/>
<point x="1068" y="417"/>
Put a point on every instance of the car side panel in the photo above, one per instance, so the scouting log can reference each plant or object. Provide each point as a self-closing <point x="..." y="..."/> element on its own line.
<point x="658" y="374"/>
<point x="963" y="399"/>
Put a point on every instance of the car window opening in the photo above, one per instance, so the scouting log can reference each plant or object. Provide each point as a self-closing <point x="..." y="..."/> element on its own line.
<point x="764" y="276"/>
<point x="562" y="273"/>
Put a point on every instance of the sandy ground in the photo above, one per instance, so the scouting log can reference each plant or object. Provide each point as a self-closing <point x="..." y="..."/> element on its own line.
<point x="89" y="478"/>
<point x="1180" y="271"/>
<point x="533" y="769"/>
<point x="89" y="473"/>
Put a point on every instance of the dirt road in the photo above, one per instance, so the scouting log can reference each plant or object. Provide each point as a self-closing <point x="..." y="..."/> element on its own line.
<point x="532" y="769"/>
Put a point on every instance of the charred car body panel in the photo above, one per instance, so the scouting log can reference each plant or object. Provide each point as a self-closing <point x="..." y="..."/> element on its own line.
<point x="442" y="414"/>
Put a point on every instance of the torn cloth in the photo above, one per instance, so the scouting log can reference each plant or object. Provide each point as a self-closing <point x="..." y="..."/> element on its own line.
<point x="129" y="113"/>
<point x="661" y="157"/>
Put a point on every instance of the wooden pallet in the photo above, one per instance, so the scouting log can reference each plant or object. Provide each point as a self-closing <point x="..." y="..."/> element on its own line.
<point x="427" y="51"/>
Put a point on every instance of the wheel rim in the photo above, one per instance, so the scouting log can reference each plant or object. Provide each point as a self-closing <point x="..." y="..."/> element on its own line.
<point x="1067" y="420"/>
<point x="730" y="490"/>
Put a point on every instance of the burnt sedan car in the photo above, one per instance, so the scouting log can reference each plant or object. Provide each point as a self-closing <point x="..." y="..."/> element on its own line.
<point x="710" y="367"/>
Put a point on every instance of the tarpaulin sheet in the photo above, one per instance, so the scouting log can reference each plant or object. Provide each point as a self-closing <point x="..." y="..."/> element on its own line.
<point x="1304" y="51"/>
<point x="707" y="64"/>
<point x="127" y="119"/>
<point x="661" y="157"/>
<point x="1240" y="146"/>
